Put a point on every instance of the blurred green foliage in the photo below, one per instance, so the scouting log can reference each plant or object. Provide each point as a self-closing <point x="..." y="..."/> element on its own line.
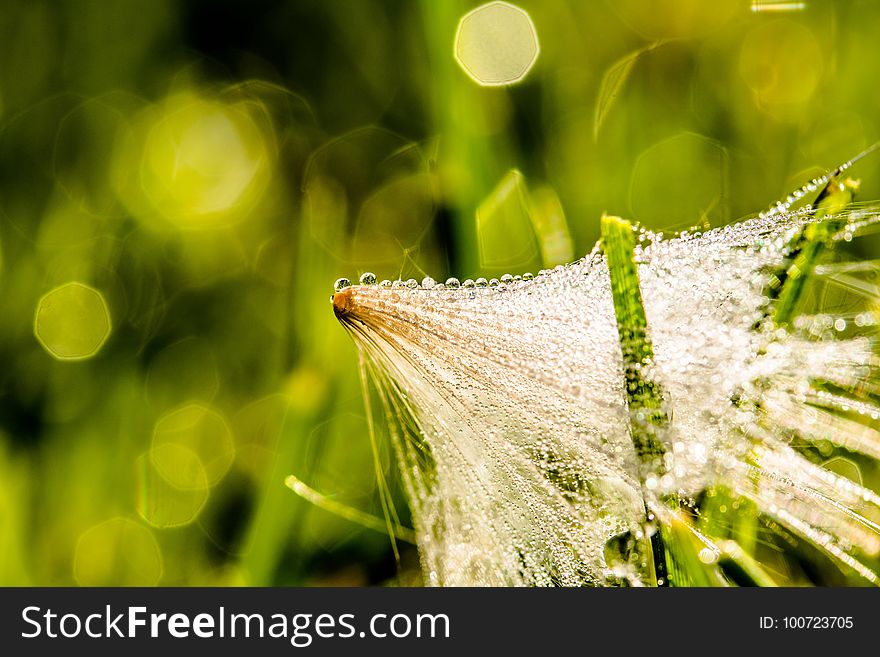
<point x="202" y="172"/>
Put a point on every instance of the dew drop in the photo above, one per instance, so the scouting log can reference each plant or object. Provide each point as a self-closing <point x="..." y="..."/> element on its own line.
<point x="707" y="555"/>
<point x="341" y="284"/>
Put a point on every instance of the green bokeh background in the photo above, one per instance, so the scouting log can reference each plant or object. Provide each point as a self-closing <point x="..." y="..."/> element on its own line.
<point x="209" y="168"/>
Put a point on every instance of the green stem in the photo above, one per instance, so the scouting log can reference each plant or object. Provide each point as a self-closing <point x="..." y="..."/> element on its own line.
<point x="644" y="397"/>
<point x="809" y="246"/>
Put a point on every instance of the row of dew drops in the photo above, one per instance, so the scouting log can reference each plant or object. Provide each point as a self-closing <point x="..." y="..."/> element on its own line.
<point x="452" y="283"/>
<point x="428" y="283"/>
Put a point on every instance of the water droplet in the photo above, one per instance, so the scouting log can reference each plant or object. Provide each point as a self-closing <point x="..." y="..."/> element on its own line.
<point x="428" y="282"/>
<point x="469" y="283"/>
<point x="341" y="284"/>
<point x="452" y="282"/>
<point x="507" y="279"/>
<point x="481" y="282"/>
<point x="707" y="555"/>
<point x="368" y="278"/>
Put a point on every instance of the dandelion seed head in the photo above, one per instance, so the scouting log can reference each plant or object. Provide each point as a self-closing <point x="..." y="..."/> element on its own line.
<point x="508" y="409"/>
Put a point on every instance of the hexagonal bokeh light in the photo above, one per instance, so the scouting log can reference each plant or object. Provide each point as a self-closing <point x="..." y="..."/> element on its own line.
<point x="203" y="431"/>
<point x="72" y="321"/>
<point x="496" y="44"/>
<point x="117" y="552"/>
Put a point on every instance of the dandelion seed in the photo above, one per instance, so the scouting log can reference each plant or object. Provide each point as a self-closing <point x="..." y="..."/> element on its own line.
<point x="515" y="425"/>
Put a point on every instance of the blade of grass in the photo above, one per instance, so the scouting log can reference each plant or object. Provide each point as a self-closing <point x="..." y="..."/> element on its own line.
<point x="357" y="516"/>
<point x="691" y="556"/>
<point x="644" y="397"/>
<point x="810" y="245"/>
<point x="612" y="84"/>
<point x="741" y="568"/>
